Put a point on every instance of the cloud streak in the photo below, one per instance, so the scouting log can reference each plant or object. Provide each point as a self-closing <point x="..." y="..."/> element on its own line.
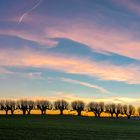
<point x="95" y="37"/>
<point x="29" y="36"/>
<point x="101" y="70"/>
<point x="118" y="42"/>
<point x="28" y="11"/>
<point x="101" y="89"/>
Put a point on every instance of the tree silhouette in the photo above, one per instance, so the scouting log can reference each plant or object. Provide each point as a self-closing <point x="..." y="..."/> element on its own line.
<point x="22" y="105"/>
<point x="26" y="106"/>
<point x="10" y="105"/>
<point x="110" y="108"/>
<point x="97" y="108"/>
<point x="78" y="106"/>
<point x="138" y="110"/>
<point x="118" y="110"/>
<point x="43" y="105"/>
<point x="92" y="107"/>
<point x="113" y="109"/>
<point x="128" y="110"/>
<point x="30" y="106"/>
<point x="3" y="106"/>
<point x="61" y="105"/>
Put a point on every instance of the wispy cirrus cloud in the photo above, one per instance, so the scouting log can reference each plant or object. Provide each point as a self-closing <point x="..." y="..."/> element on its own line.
<point x="28" y="11"/>
<point x="32" y="75"/>
<point x="29" y="75"/>
<point x="95" y="37"/>
<point x="99" y="38"/>
<point x="130" y="5"/>
<point x="29" y="36"/>
<point x="74" y="65"/>
<point x="101" y="89"/>
<point x="89" y="85"/>
<point x="4" y="72"/>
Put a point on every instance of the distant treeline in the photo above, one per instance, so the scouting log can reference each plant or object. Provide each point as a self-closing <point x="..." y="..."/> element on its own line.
<point x="26" y="106"/>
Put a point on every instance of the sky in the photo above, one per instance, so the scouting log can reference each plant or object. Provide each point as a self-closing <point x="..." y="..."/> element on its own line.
<point x="70" y="49"/>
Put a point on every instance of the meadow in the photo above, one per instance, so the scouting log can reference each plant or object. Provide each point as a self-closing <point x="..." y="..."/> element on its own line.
<point x="67" y="127"/>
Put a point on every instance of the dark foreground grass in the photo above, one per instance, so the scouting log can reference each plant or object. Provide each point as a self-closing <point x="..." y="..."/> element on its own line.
<point x="36" y="127"/>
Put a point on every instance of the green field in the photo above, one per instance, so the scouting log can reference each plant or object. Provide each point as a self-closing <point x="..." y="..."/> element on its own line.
<point x="55" y="127"/>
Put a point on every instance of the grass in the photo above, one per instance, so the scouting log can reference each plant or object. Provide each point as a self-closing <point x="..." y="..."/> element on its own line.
<point x="55" y="127"/>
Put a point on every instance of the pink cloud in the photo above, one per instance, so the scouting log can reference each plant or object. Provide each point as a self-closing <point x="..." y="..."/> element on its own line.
<point x="98" y="38"/>
<point x="130" y="5"/>
<point x="74" y="65"/>
<point x="40" y="39"/>
<point x="5" y="71"/>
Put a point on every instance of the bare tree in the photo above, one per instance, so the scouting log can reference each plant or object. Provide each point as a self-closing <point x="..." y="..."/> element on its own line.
<point x="30" y="105"/>
<point x="138" y="110"/>
<point x="26" y="106"/>
<point x="92" y="107"/>
<point x="43" y="105"/>
<point x="78" y="106"/>
<point x="128" y="110"/>
<point x="61" y="105"/>
<point x="100" y="108"/>
<point x="97" y="108"/>
<point x="3" y="106"/>
<point x="113" y="109"/>
<point x="22" y="105"/>
<point x="10" y="105"/>
<point x="118" y="110"/>
<point x="110" y="108"/>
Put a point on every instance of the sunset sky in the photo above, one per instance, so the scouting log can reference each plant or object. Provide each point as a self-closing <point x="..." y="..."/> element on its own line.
<point x="70" y="49"/>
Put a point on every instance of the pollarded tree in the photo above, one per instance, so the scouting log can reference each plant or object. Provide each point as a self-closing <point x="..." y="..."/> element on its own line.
<point x="43" y="106"/>
<point x="26" y="106"/>
<point x="128" y="110"/>
<point x="118" y="110"/>
<point x="22" y="105"/>
<point x="92" y="107"/>
<point x="110" y="108"/>
<point x="113" y="109"/>
<point x="10" y="105"/>
<point x="30" y="106"/>
<point x="97" y="108"/>
<point x="138" y="110"/>
<point x="2" y="106"/>
<point x="61" y="105"/>
<point x="100" y="108"/>
<point x="78" y="106"/>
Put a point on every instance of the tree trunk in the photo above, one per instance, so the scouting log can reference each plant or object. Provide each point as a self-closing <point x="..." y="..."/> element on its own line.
<point x="61" y="112"/>
<point x="95" y="114"/>
<point x="117" y="115"/>
<point x="12" y="112"/>
<point x="99" y="115"/>
<point x="41" y="112"/>
<point x="79" y="113"/>
<point x="24" y="112"/>
<point x="111" y="115"/>
<point x="128" y="116"/>
<point x="6" y="112"/>
<point x="44" y="112"/>
<point x="29" y="112"/>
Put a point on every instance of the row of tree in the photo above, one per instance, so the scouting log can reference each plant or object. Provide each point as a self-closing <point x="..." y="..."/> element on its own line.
<point x="26" y="106"/>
